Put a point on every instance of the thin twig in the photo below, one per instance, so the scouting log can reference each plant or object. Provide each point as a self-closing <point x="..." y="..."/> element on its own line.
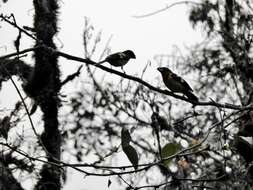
<point x="18" y="27"/>
<point x="72" y="76"/>
<point x="164" y="9"/>
<point x="19" y="53"/>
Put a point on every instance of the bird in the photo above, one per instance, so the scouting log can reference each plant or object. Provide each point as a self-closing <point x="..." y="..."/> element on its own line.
<point x="176" y="84"/>
<point x="119" y="59"/>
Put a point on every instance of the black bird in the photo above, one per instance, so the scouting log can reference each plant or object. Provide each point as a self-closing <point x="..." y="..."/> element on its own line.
<point x="176" y="84"/>
<point x="119" y="59"/>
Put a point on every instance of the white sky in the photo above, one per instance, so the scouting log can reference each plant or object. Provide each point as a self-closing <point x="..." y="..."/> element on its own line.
<point x="145" y="36"/>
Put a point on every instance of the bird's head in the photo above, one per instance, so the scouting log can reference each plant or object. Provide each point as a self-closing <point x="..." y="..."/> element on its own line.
<point x="164" y="70"/>
<point x="130" y="54"/>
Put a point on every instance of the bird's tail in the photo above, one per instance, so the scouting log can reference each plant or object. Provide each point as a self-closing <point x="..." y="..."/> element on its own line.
<point x="99" y="63"/>
<point x="191" y="96"/>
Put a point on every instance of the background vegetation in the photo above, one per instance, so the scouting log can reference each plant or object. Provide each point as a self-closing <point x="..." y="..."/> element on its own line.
<point x="170" y="143"/>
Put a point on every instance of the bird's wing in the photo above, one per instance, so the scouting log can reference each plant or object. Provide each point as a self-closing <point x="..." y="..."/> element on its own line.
<point x="116" y="56"/>
<point x="181" y="80"/>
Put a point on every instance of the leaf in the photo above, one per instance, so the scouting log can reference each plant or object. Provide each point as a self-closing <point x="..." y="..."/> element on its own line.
<point x="163" y="123"/>
<point x="5" y="126"/>
<point x="109" y="183"/>
<point x="127" y="148"/>
<point x="169" y="150"/>
<point x="125" y="137"/>
<point x="79" y="156"/>
<point x="34" y="108"/>
<point x="132" y="155"/>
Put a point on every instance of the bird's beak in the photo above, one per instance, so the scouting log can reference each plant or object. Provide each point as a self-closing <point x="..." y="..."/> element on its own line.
<point x="159" y="69"/>
<point x="134" y="57"/>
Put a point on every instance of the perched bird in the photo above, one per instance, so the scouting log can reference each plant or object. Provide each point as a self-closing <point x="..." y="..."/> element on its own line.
<point x="119" y="59"/>
<point x="176" y="83"/>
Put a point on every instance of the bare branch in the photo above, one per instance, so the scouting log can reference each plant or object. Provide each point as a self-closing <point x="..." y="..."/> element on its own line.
<point x="165" y="8"/>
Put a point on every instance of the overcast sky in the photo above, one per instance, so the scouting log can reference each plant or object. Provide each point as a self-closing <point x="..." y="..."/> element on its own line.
<point x="147" y="37"/>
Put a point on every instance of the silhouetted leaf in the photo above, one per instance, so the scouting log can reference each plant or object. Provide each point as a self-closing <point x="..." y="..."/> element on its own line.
<point x="109" y="183"/>
<point x="5" y="127"/>
<point x="125" y="137"/>
<point x="34" y="108"/>
<point x="132" y="155"/>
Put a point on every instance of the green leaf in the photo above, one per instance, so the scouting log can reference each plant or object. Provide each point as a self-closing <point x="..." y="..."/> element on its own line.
<point x="125" y="137"/>
<point x="169" y="150"/>
<point x="132" y="155"/>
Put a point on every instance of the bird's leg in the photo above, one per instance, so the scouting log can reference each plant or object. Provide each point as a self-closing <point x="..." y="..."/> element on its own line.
<point x="123" y="69"/>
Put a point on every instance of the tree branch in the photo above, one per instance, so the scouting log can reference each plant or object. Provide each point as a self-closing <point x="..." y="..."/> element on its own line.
<point x="139" y="80"/>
